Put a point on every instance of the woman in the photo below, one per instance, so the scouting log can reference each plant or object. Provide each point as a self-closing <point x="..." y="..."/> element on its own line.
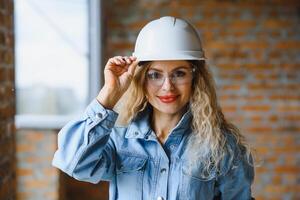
<point x="174" y="142"/>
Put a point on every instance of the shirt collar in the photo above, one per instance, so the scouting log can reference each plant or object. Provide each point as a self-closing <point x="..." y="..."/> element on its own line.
<point x="140" y="125"/>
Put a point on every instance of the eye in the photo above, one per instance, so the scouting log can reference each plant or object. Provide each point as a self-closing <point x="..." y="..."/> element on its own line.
<point x="179" y="73"/>
<point x="153" y="75"/>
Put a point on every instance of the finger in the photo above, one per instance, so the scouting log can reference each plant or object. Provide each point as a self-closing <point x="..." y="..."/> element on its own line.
<point x="114" y="61"/>
<point x="132" y="67"/>
<point x="132" y="58"/>
<point x="128" y="61"/>
<point x="121" y="60"/>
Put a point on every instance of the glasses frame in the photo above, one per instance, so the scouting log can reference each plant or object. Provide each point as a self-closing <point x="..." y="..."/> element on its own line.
<point x="192" y="70"/>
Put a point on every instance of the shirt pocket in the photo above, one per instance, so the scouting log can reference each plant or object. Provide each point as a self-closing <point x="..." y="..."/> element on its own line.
<point x="130" y="175"/>
<point x="193" y="186"/>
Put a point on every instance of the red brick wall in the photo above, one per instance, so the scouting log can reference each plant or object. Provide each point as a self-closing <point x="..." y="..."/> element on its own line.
<point x="253" y="49"/>
<point x="7" y="101"/>
<point x="37" y="179"/>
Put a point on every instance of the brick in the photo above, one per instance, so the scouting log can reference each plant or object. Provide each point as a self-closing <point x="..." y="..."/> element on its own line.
<point x="276" y="180"/>
<point x="9" y="22"/>
<point x="271" y="159"/>
<point x="242" y="24"/>
<point x="36" y="184"/>
<point x="286" y="45"/>
<point x="51" y="172"/>
<point x="227" y="109"/>
<point x="137" y="25"/>
<point x="8" y="57"/>
<point x="2" y="37"/>
<point x="262" y="129"/>
<point x="261" y="86"/>
<point x="295" y="118"/>
<point x="221" y="45"/>
<point x="273" y="118"/>
<point x="122" y="46"/>
<point x="9" y="39"/>
<point x="254" y="45"/>
<point x="229" y="67"/>
<point x="276" y="23"/>
<point x="285" y="97"/>
<point x="286" y="149"/>
<point x="24" y="172"/>
<point x="225" y="97"/>
<point x="211" y="25"/>
<point x="25" y="148"/>
<point x="253" y="98"/>
<point x="2" y="17"/>
<point x="256" y="108"/>
<point x="254" y="66"/>
<point x="230" y="87"/>
<point x="256" y="119"/>
<point x="275" y="189"/>
<point x="2" y="74"/>
<point x="261" y="150"/>
<point x="7" y="148"/>
<point x="233" y="54"/>
<point x="267" y="76"/>
<point x="10" y="74"/>
<point x="288" y="129"/>
<point x="52" y="195"/>
<point x="34" y="136"/>
<point x="24" y="195"/>
<point x="288" y="108"/>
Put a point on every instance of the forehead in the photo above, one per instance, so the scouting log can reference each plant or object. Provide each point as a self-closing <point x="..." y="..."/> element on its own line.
<point x="168" y="65"/>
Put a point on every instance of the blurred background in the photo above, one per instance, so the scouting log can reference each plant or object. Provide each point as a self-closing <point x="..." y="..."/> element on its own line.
<point x="52" y="54"/>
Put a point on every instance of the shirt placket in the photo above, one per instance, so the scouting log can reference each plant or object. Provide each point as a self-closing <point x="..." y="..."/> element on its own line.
<point x="168" y="149"/>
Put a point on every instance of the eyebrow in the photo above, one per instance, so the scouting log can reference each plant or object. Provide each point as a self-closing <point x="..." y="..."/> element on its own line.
<point x="176" y="68"/>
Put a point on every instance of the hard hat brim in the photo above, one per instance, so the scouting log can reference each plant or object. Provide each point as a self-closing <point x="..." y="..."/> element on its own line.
<point x="182" y="55"/>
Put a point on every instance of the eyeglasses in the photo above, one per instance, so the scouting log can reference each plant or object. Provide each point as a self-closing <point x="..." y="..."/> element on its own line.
<point x="177" y="77"/>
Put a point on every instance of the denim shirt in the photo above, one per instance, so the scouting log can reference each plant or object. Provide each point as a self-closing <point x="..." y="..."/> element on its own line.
<point x="138" y="167"/>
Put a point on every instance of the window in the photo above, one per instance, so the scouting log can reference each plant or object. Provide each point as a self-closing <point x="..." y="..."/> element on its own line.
<point x="52" y="61"/>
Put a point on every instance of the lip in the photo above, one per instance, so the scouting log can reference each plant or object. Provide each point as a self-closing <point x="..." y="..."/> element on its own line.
<point x="168" y="98"/>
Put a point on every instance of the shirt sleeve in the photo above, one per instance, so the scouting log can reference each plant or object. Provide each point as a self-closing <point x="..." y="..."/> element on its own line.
<point x="235" y="183"/>
<point x="85" y="149"/>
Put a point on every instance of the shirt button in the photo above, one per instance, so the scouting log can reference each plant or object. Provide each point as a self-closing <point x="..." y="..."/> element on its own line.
<point x="110" y="125"/>
<point x="136" y="133"/>
<point x="163" y="170"/>
<point x="172" y="146"/>
<point x="98" y="116"/>
<point x="160" y="198"/>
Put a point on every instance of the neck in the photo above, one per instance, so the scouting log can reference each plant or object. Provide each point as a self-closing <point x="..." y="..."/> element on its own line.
<point x="163" y="123"/>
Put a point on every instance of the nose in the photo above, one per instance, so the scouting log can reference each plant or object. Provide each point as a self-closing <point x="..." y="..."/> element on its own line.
<point x="167" y="84"/>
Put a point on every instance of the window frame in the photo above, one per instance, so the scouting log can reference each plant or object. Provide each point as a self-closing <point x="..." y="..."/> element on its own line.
<point x="95" y="74"/>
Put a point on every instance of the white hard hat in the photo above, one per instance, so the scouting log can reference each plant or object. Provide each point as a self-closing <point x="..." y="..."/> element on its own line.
<point x="168" y="38"/>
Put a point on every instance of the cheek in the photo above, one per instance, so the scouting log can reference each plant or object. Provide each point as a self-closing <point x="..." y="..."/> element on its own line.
<point x="150" y="92"/>
<point x="186" y="91"/>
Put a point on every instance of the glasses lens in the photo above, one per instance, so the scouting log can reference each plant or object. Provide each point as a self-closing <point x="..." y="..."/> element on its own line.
<point x="177" y="77"/>
<point x="155" y="77"/>
<point x="181" y="76"/>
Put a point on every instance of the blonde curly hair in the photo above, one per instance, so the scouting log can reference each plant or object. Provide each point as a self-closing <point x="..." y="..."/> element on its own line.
<point x="208" y="122"/>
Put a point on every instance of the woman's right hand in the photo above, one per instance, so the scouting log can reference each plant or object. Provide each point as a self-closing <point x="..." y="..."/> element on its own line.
<point x="118" y="74"/>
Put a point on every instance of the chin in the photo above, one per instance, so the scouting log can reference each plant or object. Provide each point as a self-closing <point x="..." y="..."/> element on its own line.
<point x="169" y="109"/>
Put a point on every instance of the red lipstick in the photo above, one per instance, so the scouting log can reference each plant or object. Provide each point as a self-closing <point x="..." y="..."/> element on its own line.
<point x="168" y="98"/>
